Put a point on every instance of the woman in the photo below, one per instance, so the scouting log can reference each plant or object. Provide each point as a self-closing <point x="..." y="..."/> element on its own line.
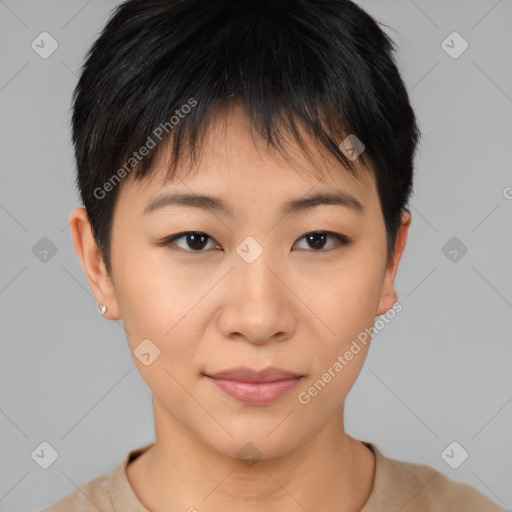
<point x="245" y="168"/>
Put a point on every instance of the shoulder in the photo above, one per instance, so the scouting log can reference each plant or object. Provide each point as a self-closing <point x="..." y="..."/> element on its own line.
<point x="409" y="486"/>
<point x="92" y="496"/>
<point x="110" y="492"/>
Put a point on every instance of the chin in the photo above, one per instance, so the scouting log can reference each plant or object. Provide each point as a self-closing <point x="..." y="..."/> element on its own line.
<point x="251" y="442"/>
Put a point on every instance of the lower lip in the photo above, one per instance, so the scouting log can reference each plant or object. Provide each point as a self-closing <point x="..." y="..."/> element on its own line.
<point x="256" y="393"/>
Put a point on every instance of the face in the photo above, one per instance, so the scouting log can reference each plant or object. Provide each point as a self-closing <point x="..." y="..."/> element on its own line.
<point x="255" y="284"/>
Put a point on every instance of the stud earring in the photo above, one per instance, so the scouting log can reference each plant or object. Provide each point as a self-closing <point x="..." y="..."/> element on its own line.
<point x="102" y="308"/>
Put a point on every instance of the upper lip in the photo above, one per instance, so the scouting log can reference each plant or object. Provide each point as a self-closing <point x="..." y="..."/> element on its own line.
<point x="242" y="373"/>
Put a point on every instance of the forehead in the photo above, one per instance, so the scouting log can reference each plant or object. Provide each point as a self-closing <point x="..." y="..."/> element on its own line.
<point x="233" y="157"/>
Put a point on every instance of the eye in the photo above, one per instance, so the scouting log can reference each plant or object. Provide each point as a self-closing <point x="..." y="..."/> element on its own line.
<point x="197" y="241"/>
<point x="192" y="241"/>
<point x="317" y="240"/>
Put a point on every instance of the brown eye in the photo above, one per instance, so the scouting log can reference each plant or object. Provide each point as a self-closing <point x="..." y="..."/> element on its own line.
<point x="191" y="241"/>
<point x="317" y="240"/>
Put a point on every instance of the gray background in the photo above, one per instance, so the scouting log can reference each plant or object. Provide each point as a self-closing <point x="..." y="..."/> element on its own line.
<point x="439" y="372"/>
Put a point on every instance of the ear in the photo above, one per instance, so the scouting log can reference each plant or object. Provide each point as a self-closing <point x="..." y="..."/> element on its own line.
<point x="388" y="295"/>
<point x="89" y="254"/>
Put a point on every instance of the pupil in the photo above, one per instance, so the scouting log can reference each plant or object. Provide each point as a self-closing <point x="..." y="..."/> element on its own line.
<point x="196" y="238"/>
<point x="317" y="240"/>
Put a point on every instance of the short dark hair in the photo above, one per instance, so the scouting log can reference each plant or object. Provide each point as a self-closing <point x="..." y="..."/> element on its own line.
<point x="325" y="64"/>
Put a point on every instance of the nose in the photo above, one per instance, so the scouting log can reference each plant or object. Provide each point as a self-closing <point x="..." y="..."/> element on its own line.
<point x="259" y="305"/>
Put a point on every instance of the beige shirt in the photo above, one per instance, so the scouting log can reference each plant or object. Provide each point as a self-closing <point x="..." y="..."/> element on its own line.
<point x="397" y="486"/>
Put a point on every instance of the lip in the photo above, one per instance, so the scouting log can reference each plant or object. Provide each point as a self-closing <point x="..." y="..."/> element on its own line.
<point x="245" y="374"/>
<point x="255" y="387"/>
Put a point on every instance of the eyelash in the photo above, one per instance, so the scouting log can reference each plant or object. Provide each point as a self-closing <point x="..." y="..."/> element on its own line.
<point x="341" y="239"/>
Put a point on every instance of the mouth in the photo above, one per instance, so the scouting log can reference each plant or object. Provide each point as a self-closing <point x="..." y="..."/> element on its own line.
<point x="255" y="387"/>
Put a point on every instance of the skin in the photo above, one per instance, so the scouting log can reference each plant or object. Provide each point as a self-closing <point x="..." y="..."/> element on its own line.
<point x="295" y="307"/>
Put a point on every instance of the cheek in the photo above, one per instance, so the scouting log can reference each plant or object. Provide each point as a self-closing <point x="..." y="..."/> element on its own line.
<point x="345" y="297"/>
<point x="150" y="293"/>
<point x="344" y="294"/>
<point x="347" y="307"/>
<point x="161" y="301"/>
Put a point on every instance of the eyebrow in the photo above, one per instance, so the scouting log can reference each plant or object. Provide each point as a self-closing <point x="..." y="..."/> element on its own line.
<point x="338" y="198"/>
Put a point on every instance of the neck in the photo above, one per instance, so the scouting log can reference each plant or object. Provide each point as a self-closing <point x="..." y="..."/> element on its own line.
<point x="330" y="472"/>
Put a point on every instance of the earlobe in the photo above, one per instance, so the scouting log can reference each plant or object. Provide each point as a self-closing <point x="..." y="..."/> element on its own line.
<point x="388" y="295"/>
<point x="92" y="262"/>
